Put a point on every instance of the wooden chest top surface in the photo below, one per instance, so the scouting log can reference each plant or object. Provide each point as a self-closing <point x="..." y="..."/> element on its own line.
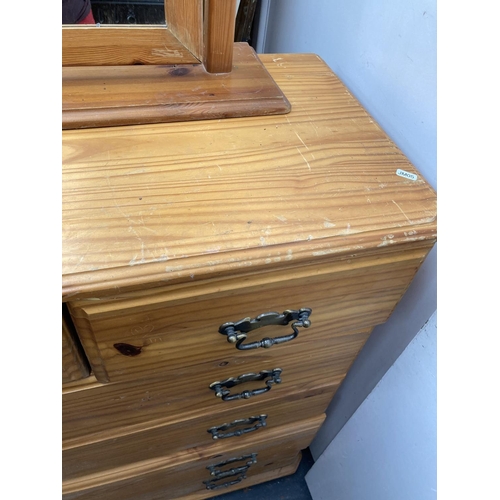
<point x="148" y="205"/>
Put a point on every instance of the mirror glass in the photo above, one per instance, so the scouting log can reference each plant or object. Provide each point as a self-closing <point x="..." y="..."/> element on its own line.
<point x="113" y="12"/>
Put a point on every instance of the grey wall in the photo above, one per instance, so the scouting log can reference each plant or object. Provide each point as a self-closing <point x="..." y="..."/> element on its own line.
<point x="387" y="450"/>
<point x="385" y="52"/>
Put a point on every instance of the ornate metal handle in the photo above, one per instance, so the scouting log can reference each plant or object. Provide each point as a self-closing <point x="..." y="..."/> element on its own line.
<point x="215" y="471"/>
<point x="237" y="332"/>
<point x="211" y="485"/>
<point x="217" y="434"/>
<point x="222" y="388"/>
<point x="219" y="474"/>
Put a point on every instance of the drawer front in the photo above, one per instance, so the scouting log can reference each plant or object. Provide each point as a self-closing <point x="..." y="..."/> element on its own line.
<point x="147" y="336"/>
<point x="74" y="365"/>
<point x="101" y="411"/>
<point x="200" y="471"/>
<point x="228" y="425"/>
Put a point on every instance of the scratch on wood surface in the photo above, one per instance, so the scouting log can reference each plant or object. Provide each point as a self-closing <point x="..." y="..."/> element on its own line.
<point x="348" y="230"/>
<point x="273" y="259"/>
<point x="136" y="171"/>
<point x="172" y="269"/>
<point x="387" y="240"/>
<point x="213" y="263"/>
<point x="116" y="204"/>
<point x="424" y="220"/>
<point x="213" y="250"/>
<point x="80" y="261"/>
<point x="401" y="210"/>
<point x="308" y="166"/>
<point x="166" y="53"/>
<point x="162" y="258"/>
<point x="416" y="238"/>
<point x="300" y="139"/>
<point x="319" y="253"/>
<point x="134" y="260"/>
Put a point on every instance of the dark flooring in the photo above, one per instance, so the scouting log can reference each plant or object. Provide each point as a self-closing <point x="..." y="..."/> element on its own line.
<point x="291" y="487"/>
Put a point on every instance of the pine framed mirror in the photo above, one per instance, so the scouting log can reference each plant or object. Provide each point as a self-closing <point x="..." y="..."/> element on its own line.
<point x="188" y="69"/>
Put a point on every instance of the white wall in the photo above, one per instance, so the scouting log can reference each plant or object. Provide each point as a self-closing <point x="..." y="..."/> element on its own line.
<point x="387" y="450"/>
<point x="385" y="52"/>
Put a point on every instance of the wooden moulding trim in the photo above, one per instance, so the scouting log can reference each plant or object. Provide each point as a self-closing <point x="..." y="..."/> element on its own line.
<point x="103" y="96"/>
<point x="116" y="46"/>
<point x="176" y="112"/>
<point x="120" y="280"/>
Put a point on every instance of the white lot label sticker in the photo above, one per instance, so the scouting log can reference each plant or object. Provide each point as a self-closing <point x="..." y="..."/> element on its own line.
<point x="406" y="175"/>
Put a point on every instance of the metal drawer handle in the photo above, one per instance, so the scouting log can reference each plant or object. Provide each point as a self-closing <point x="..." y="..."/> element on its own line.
<point x="219" y="474"/>
<point x="222" y="388"/>
<point x="237" y="332"/>
<point x="217" y="434"/>
<point x="215" y="471"/>
<point x="211" y="485"/>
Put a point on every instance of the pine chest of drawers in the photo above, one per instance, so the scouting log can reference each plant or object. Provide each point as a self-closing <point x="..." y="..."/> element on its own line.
<point x="219" y="278"/>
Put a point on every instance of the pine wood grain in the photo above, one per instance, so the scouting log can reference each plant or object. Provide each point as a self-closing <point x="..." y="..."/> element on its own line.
<point x="170" y="230"/>
<point x="147" y="205"/>
<point x="96" y="412"/>
<point x="176" y="332"/>
<point x="185" y="20"/>
<point x="183" y="473"/>
<point x="114" y="45"/>
<point x="190" y="432"/>
<point x="123" y="95"/>
<point x="219" y="28"/>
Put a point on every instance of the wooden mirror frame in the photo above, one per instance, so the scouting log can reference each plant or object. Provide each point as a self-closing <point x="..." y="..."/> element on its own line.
<point x="196" y="32"/>
<point x="189" y="69"/>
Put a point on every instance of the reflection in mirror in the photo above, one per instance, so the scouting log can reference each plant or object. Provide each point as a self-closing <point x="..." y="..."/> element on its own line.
<point x="113" y="12"/>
